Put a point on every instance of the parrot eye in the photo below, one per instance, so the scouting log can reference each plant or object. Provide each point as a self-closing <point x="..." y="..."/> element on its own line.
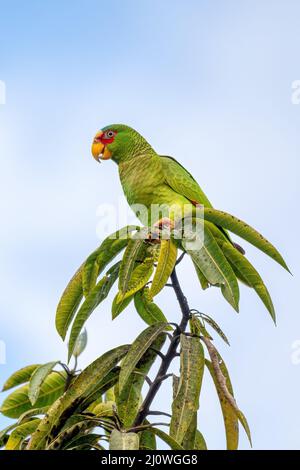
<point x="109" y="134"/>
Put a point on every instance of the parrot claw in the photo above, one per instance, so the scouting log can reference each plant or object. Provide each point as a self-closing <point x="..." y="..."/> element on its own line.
<point x="165" y="222"/>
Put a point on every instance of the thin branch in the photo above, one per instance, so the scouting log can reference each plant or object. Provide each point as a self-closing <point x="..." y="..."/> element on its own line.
<point x="180" y="258"/>
<point x="159" y="413"/>
<point x="170" y="354"/>
<point x="159" y="353"/>
<point x="147" y="426"/>
<point x="164" y="377"/>
<point x="147" y="379"/>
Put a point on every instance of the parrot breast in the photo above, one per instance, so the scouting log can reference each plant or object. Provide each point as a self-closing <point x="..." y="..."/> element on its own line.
<point x="144" y="183"/>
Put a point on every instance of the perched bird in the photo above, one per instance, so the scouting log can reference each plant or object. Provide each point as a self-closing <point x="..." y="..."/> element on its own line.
<point x="148" y="179"/>
<point x="151" y="179"/>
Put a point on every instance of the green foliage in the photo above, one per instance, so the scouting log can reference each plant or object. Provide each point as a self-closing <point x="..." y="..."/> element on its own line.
<point x="107" y="405"/>
<point x="147" y="309"/>
<point x="96" y="296"/>
<point x="165" y="265"/>
<point x="19" y="377"/>
<point x="18" y="401"/>
<point x="136" y="351"/>
<point x="186" y="401"/>
<point x="211" y="261"/>
<point x="244" y="231"/>
<point x="37" y="379"/>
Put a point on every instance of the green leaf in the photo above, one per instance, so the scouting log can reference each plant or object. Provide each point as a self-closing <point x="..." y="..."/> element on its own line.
<point x="172" y="443"/>
<point x="75" y="428"/>
<point x="249" y="273"/>
<point x="84" y="442"/>
<point x="18" y="402"/>
<point x="19" y="377"/>
<point x="166" y="262"/>
<point x="4" y="433"/>
<point x="110" y="395"/>
<point x="69" y="303"/>
<point x="97" y="295"/>
<point x="213" y="264"/>
<point x="119" y="304"/>
<point x="214" y="325"/>
<point x="81" y="343"/>
<point x="200" y="443"/>
<point x="202" y="279"/>
<point x="148" y="310"/>
<point x="20" y="433"/>
<point x="104" y="409"/>
<point x="123" y="441"/>
<point x="93" y="397"/>
<point x="230" y="410"/>
<point x="33" y="412"/>
<point x="140" y="276"/>
<point x="189" y="439"/>
<point x="244" y="231"/>
<point x="136" y="268"/>
<point x="129" y="400"/>
<point x="82" y="386"/>
<point x="101" y="257"/>
<point x="186" y="402"/>
<point x="147" y="440"/>
<point x="138" y="348"/>
<point x="37" y="379"/>
<point x="134" y="254"/>
<point x="197" y="326"/>
<point x="229" y="414"/>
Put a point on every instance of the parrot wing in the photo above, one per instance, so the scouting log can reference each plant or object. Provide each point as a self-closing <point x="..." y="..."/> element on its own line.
<point x="181" y="181"/>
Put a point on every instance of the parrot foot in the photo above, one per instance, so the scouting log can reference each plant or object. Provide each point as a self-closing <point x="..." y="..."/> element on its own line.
<point x="164" y="223"/>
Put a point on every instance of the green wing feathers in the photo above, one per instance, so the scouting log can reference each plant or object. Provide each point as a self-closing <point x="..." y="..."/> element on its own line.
<point x="181" y="181"/>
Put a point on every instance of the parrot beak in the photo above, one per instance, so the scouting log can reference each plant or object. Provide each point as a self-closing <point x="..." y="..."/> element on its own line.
<point x="99" y="150"/>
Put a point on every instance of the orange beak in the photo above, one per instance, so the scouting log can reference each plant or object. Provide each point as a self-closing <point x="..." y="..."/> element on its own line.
<point x="100" y="150"/>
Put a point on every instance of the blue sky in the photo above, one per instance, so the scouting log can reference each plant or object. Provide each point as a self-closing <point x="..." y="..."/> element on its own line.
<point x="208" y="82"/>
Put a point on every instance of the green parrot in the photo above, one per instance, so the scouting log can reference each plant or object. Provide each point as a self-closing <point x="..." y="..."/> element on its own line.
<point x="149" y="179"/>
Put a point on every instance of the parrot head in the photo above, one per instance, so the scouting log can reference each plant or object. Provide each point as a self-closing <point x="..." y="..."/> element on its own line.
<point x="119" y="143"/>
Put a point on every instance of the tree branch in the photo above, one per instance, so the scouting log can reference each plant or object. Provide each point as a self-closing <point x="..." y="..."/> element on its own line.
<point x="170" y="354"/>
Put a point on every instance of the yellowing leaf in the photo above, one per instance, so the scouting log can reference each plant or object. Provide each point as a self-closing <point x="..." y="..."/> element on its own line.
<point x="20" y="433"/>
<point x="230" y="410"/>
<point x="148" y="310"/>
<point x="138" y="278"/>
<point x="119" y="304"/>
<point x="133" y="254"/>
<point x="37" y="379"/>
<point x="18" y="402"/>
<point x="186" y="401"/>
<point x="69" y="303"/>
<point x="166" y="262"/>
<point x="100" y="258"/>
<point x="19" y="377"/>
